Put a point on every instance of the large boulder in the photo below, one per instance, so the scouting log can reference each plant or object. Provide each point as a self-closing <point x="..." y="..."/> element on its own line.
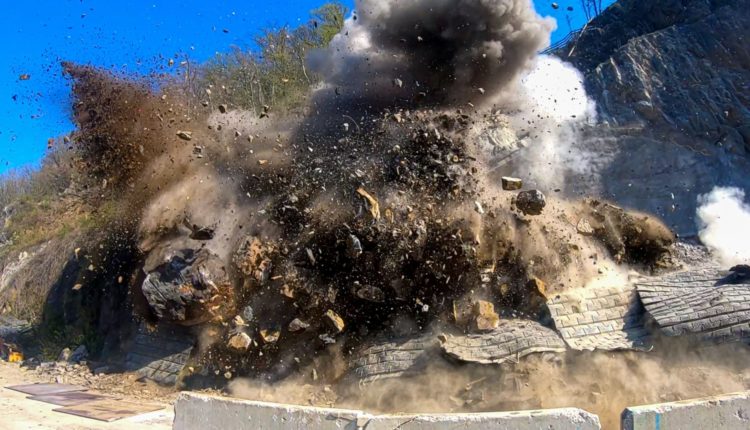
<point x="191" y="288"/>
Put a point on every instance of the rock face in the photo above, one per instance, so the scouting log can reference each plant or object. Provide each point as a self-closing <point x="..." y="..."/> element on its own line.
<point x="671" y="79"/>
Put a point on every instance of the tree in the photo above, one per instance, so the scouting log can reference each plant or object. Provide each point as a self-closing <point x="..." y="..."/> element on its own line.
<point x="592" y="8"/>
<point x="329" y="20"/>
<point x="275" y="73"/>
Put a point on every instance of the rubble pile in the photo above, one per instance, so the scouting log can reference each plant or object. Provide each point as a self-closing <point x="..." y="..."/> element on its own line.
<point x="374" y="226"/>
<point x="387" y="233"/>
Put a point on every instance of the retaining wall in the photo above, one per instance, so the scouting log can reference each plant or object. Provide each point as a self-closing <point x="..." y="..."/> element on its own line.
<point x="726" y="412"/>
<point x="201" y="412"/>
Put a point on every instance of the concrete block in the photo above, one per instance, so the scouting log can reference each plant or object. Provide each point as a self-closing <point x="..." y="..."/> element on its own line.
<point x="726" y="412"/>
<point x="200" y="412"/>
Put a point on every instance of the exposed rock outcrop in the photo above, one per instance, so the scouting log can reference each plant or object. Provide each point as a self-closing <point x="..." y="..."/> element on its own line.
<point x="671" y="79"/>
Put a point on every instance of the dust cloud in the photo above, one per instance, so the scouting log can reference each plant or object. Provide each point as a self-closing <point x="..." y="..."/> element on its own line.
<point x="603" y="383"/>
<point x="443" y="52"/>
<point x="724" y="217"/>
<point x="384" y="205"/>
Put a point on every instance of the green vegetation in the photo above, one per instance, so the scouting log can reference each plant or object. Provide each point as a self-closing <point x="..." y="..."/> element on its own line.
<point x="77" y="198"/>
<point x="276" y="74"/>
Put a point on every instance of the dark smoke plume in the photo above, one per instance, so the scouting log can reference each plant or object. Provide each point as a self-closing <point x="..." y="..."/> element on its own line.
<point x="440" y="52"/>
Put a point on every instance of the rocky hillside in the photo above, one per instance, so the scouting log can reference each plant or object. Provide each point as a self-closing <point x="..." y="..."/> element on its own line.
<point x="671" y="79"/>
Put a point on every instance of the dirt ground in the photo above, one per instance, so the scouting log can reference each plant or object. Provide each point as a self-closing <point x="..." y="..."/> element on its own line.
<point x="20" y="413"/>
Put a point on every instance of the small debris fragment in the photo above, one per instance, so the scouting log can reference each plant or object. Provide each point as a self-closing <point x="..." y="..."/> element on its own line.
<point x="238" y="321"/>
<point x="185" y="135"/>
<point x="310" y="256"/>
<point x="223" y="108"/>
<point x="240" y="342"/>
<point x="334" y="321"/>
<point x="512" y="184"/>
<point x="486" y="318"/>
<point x="353" y="246"/>
<point x="298" y="325"/>
<point x="584" y="227"/>
<point x="248" y="314"/>
<point x="287" y="291"/>
<point x="373" y="203"/>
<point x="538" y="286"/>
<point x="327" y="339"/>
<point x="270" y="335"/>
<point x="370" y="294"/>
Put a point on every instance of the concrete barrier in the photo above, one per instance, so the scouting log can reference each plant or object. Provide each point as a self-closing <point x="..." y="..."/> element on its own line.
<point x="726" y="412"/>
<point x="201" y="412"/>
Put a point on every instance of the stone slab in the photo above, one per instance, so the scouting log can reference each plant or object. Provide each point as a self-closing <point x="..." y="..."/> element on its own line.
<point x="708" y="303"/>
<point x="200" y="412"/>
<point x="604" y="318"/>
<point x="512" y="340"/>
<point x="726" y="412"/>
<point x="394" y="358"/>
<point x="160" y="355"/>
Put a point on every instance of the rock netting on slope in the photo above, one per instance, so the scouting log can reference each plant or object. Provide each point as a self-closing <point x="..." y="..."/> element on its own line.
<point x="709" y="303"/>
<point x="600" y="318"/>
<point x="509" y="342"/>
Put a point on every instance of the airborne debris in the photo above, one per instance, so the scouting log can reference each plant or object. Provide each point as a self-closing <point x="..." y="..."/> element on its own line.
<point x="298" y="325"/>
<point x="353" y="246"/>
<point x="584" y="227"/>
<point x="512" y="184"/>
<point x="240" y="342"/>
<point x="486" y="318"/>
<point x="531" y="202"/>
<point x="372" y="202"/>
<point x="270" y="335"/>
<point x="478" y="208"/>
<point x="334" y="321"/>
<point x="185" y="135"/>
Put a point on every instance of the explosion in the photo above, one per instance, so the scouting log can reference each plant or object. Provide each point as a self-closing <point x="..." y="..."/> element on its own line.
<point x="425" y="192"/>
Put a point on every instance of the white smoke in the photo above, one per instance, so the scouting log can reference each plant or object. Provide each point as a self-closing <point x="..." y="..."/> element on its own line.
<point x="538" y="137"/>
<point x="554" y="90"/>
<point x="724" y="221"/>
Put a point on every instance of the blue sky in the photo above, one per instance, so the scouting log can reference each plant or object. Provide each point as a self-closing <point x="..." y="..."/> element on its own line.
<point x="127" y="35"/>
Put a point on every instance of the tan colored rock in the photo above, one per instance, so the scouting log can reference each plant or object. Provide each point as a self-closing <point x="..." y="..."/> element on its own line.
<point x="486" y="318"/>
<point x="537" y="285"/>
<point x="334" y="321"/>
<point x="584" y="227"/>
<point x="270" y="335"/>
<point x="287" y="291"/>
<point x="238" y="321"/>
<point x="512" y="184"/>
<point x="240" y="342"/>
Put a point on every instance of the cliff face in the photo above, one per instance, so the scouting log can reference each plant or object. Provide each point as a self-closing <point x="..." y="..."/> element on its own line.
<point x="671" y="79"/>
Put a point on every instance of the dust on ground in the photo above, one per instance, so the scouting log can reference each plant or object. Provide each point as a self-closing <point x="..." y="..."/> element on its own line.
<point x="20" y="413"/>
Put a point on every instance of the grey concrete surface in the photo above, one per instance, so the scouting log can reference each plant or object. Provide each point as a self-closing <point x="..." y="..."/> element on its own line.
<point x="201" y="412"/>
<point x="726" y="412"/>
